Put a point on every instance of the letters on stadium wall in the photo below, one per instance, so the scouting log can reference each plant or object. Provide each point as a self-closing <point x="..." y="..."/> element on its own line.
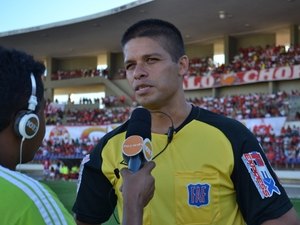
<point x="239" y="78"/>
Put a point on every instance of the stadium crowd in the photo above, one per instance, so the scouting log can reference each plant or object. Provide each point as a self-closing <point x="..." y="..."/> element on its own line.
<point x="256" y="58"/>
<point x="282" y="150"/>
<point x="253" y="105"/>
<point x="248" y="106"/>
<point x="79" y="73"/>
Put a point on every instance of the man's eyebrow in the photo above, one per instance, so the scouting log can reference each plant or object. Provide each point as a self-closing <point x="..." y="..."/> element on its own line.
<point x="144" y="57"/>
<point x="152" y="54"/>
<point x="128" y="61"/>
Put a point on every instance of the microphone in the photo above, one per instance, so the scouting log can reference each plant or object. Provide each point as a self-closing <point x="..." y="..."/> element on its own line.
<point x="137" y="147"/>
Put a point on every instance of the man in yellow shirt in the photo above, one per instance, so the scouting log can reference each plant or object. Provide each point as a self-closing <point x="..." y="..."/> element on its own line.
<point x="209" y="169"/>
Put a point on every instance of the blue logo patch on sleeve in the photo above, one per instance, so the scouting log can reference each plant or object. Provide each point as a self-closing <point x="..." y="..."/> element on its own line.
<point x="260" y="174"/>
<point x="198" y="194"/>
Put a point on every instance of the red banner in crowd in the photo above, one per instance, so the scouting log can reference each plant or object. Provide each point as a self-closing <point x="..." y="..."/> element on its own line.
<point x="264" y="126"/>
<point x="67" y="133"/>
<point x="247" y="77"/>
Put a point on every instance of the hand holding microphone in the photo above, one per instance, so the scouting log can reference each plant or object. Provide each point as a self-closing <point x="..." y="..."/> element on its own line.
<point x="137" y="190"/>
<point x="137" y="147"/>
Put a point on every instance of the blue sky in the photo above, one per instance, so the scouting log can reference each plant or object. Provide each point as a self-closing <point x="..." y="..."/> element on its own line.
<point x="20" y="14"/>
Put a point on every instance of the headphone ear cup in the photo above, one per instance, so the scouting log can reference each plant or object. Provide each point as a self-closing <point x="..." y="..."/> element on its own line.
<point x="27" y="124"/>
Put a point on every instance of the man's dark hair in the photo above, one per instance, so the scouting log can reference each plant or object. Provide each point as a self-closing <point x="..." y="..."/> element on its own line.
<point x="15" y="83"/>
<point x="164" y="32"/>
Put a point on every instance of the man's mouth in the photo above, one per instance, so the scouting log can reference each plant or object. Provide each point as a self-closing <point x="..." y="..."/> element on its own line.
<point x="142" y="87"/>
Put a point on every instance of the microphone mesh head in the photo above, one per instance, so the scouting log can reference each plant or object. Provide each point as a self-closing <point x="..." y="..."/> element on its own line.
<point x="140" y="123"/>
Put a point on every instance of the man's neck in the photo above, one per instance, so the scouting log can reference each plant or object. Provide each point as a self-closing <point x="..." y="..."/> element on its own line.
<point x="162" y="120"/>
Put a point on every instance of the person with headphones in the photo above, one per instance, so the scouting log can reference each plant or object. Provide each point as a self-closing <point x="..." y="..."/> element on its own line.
<point x="24" y="200"/>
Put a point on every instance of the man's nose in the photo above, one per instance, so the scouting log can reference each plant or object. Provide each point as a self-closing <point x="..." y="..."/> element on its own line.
<point x="139" y="72"/>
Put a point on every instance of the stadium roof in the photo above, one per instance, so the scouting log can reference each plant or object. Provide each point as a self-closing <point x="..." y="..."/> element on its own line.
<point x="199" y="21"/>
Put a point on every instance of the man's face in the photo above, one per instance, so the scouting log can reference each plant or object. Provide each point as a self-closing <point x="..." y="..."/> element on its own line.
<point x="151" y="72"/>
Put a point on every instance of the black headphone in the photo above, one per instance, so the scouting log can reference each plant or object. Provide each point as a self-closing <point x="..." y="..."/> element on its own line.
<point x="27" y="122"/>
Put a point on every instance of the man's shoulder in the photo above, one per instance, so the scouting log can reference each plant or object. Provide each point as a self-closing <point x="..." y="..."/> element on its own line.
<point x="220" y="121"/>
<point x="121" y="128"/>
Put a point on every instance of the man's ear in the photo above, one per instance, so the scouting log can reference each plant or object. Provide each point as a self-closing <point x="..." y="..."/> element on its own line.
<point x="183" y="64"/>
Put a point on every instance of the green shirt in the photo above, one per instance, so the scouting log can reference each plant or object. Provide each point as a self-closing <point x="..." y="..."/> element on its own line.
<point x="25" y="201"/>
